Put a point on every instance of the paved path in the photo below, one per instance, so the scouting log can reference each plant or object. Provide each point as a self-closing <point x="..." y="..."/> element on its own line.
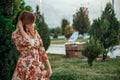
<point x="60" y="49"/>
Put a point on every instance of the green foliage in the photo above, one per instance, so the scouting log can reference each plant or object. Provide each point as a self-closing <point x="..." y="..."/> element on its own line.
<point x="42" y="28"/>
<point x="106" y="29"/>
<point x="92" y="50"/>
<point x="64" y="23"/>
<point x="81" y="21"/>
<point x="58" y="30"/>
<point x="55" y="35"/>
<point x="8" y="55"/>
<point x="19" y="6"/>
<point x="99" y="27"/>
<point x="9" y="10"/>
<point x="112" y="34"/>
<point x="55" y="31"/>
<point x="68" y="31"/>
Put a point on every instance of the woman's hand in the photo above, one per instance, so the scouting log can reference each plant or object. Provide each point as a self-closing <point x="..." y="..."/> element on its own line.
<point x="49" y="72"/>
<point x="20" y="27"/>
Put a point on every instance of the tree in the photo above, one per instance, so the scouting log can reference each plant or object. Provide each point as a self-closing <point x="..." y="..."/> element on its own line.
<point x="106" y="29"/>
<point x="68" y="31"/>
<point x="8" y="53"/>
<point x="92" y="50"/>
<point x="9" y="10"/>
<point x="81" y="21"/>
<point x="42" y="28"/>
<point x="63" y="24"/>
<point x="19" y="9"/>
<point x="98" y="30"/>
<point x="52" y="31"/>
<point x="57" y="32"/>
<point x="112" y="35"/>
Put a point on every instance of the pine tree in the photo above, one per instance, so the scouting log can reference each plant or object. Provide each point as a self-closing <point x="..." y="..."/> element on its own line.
<point x="42" y="28"/>
<point x="64" y="23"/>
<point x="9" y="11"/>
<point x="106" y="29"/>
<point x="19" y="7"/>
<point x="81" y="21"/>
<point x="92" y="50"/>
<point x="111" y="37"/>
<point x="8" y="53"/>
<point x="113" y="30"/>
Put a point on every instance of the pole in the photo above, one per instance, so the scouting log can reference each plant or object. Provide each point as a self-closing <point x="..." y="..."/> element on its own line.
<point x="113" y="4"/>
<point x="41" y="7"/>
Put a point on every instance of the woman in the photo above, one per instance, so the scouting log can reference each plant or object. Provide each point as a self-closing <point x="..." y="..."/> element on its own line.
<point x="30" y="65"/>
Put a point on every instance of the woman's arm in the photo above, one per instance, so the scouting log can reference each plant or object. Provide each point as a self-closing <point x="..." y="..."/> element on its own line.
<point x="46" y="61"/>
<point x="20" y="26"/>
<point x="49" y="68"/>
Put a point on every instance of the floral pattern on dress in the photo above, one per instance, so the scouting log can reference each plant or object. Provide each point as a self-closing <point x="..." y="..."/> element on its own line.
<point x="30" y="64"/>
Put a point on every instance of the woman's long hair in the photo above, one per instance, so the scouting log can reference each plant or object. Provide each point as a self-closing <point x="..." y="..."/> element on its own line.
<point x="26" y="18"/>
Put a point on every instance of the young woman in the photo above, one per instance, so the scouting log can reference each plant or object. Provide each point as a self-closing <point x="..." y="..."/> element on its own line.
<point x="30" y="65"/>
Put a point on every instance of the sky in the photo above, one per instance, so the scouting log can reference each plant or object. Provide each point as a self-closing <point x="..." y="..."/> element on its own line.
<point x="55" y="10"/>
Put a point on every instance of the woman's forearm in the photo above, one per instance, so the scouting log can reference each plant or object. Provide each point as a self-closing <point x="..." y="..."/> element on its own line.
<point x="20" y="26"/>
<point x="23" y="33"/>
<point x="48" y="64"/>
<point x="49" y="68"/>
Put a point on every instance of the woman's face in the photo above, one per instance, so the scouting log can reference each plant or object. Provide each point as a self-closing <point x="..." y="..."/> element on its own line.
<point x="30" y="26"/>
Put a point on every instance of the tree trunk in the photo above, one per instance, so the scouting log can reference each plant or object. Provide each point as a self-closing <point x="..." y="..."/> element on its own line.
<point x="90" y="62"/>
<point x="105" y="55"/>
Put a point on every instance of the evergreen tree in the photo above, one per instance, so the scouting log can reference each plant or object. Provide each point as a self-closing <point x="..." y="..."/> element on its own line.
<point x="64" y="24"/>
<point x="111" y="37"/>
<point x="8" y="53"/>
<point x="9" y="11"/>
<point x="92" y="50"/>
<point x="99" y="29"/>
<point x="81" y="21"/>
<point x="106" y="29"/>
<point x="57" y="32"/>
<point x="19" y="7"/>
<point x="42" y="28"/>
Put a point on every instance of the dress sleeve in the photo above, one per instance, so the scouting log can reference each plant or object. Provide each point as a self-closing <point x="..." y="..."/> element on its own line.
<point x="43" y="55"/>
<point x="42" y="52"/>
<point x="20" y="41"/>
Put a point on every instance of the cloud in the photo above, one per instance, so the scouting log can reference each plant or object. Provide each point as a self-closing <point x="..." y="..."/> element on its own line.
<point x="32" y="3"/>
<point x="55" y="10"/>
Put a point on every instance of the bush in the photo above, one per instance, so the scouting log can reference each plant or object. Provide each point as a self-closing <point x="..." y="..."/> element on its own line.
<point x="92" y="49"/>
<point x="8" y="54"/>
<point x="55" y="35"/>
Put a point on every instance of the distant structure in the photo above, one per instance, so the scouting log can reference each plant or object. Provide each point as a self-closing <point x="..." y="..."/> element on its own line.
<point x="41" y="7"/>
<point x="113" y="4"/>
<point x="73" y="37"/>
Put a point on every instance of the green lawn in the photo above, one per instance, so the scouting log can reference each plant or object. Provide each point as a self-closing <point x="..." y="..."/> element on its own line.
<point x="62" y="41"/>
<point x="75" y="69"/>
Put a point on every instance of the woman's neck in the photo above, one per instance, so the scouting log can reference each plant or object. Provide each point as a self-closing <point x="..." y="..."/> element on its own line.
<point x="31" y="34"/>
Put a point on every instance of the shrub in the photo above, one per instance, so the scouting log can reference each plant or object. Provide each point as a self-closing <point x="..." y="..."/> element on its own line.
<point x="92" y="49"/>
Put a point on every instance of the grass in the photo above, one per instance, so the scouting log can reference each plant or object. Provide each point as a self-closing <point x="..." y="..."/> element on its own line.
<point x="75" y="69"/>
<point x="62" y="41"/>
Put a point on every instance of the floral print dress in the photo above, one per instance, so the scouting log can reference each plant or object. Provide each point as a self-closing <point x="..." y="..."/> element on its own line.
<point x="30" y="63"/>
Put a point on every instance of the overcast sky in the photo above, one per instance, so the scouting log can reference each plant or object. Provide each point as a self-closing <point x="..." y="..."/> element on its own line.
<point x="55" y="10"/>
